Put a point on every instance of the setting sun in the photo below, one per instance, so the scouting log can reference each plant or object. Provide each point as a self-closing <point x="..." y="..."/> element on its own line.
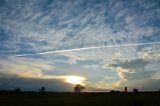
<point x="75" y="80"/>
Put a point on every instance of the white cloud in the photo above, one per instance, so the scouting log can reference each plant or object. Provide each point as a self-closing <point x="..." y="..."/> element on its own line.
<point x="150" y="55"/>
<point x="91" y="66"/>
<point x="25" y="67"/>
<point x="124" y="73"/>
<point x="34" y="25"/>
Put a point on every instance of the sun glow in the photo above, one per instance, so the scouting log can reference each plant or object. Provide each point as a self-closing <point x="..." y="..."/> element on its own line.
<point x="75" y="80"/>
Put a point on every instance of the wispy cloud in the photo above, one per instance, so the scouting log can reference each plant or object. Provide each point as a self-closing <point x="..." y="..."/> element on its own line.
<point x="67" y="28"/>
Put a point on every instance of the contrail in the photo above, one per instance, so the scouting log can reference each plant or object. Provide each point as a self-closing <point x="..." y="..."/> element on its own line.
<point x="85" y="48"/>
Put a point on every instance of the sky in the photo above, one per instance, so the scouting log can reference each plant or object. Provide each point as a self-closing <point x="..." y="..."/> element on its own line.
<point x="100" y="44"/>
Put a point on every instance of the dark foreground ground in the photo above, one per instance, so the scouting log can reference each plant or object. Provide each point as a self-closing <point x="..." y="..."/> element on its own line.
<point x="81" y="99"/>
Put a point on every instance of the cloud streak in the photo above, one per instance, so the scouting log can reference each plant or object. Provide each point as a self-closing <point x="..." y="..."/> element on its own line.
<point x="87" y="48"/>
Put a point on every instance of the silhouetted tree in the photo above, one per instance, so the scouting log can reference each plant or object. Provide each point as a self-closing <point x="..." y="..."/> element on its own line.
<point x="42" y="89"/>
<point x="135" y="90"/>
<point x="125" y="89"/>
<point x="114" y="91"/>
<point x="17" y="90"/>
<point x="78" y="88"/>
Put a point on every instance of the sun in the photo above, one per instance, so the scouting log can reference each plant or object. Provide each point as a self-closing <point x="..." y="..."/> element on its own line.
<point x="75" y="80"/>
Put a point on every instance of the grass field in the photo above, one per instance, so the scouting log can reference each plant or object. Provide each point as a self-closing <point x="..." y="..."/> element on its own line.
<point x="81" y="99"/>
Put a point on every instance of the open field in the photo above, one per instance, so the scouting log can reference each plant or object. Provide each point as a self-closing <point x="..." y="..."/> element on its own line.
<point x="81" y="99"/>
